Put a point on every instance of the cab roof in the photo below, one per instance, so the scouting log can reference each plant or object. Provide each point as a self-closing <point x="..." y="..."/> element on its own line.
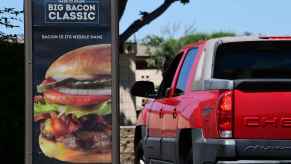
<point x="239" y="39"/>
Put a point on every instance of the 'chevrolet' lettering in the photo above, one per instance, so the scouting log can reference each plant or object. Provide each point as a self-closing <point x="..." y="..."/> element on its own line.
<point x="275" y="122"/>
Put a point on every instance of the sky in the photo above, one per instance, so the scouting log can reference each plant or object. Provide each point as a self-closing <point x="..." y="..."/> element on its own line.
<point x="269" y="17"/>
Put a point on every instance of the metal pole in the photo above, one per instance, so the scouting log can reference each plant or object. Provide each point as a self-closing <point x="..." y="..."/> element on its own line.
<point x="28" y="81"/>
<point x="115" y="74"/>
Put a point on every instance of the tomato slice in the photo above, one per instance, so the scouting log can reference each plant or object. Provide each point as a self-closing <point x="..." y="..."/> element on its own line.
<point x="56" y="97"/>
<point x="48" y="81"/>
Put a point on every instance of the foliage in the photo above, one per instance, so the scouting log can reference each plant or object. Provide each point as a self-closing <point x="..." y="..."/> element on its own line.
<point x="9" y="18"/>
<point x="12" y="85"/>
<point x="162" y="50"/>
<point x="12" y="114"/>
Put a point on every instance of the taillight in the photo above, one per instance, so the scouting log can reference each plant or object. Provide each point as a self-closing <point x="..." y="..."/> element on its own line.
<point x="225" y="115"/>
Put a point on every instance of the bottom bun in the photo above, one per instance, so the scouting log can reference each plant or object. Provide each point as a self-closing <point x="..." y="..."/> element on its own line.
<point x="60" y="152"/>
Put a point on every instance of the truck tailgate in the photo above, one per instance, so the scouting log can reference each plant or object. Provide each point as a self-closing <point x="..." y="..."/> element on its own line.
<point x="262" y="110"/>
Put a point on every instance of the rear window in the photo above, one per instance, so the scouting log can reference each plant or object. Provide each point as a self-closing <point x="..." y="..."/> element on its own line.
<point x="253" y="60"/>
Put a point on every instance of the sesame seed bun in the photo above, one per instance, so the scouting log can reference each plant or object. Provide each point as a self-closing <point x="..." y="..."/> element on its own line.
<point x="84" y="63"/>
<point x="60" y="152"/>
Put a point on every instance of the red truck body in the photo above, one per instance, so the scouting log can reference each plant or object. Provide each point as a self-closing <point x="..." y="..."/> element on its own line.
<point x="245" y="111"/>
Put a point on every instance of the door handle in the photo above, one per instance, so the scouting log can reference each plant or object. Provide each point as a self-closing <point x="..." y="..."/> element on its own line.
<point x="161" y="113"/>
<point x="175" y="114"/>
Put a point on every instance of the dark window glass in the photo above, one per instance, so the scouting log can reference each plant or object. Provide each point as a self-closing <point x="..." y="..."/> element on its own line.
<point x="168" y="77"/>
<point x="253" y="60"/>
<point x="185" y="70"/>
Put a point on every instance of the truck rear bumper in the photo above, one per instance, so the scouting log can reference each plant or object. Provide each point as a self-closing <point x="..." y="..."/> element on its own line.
<point x="256" y="162"/>
<point x="227" y="150"/>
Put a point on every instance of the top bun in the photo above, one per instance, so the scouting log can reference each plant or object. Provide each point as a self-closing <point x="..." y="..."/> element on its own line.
<point x="84" y="63"/>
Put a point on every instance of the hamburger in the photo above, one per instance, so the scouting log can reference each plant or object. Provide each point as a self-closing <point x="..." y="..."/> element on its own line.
<point x="74" y="107"/>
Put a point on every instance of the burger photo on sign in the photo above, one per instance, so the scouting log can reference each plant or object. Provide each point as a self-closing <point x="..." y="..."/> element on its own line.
<point x="74" y="106"/>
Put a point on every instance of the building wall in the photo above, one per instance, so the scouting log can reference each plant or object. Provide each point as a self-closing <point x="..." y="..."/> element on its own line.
<point x="127" y="78"/>
<point x="128" y="75"/>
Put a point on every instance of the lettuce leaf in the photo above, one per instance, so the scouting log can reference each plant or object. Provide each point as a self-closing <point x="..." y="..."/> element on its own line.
<point x="45" y="108"/>
<point x="102" y="109"/>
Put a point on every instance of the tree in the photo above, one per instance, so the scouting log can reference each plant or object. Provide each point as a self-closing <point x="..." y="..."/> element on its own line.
<point x="12" y="61"/>
<point x="9" y="18"/>
<point x="146" y="17"/>
<point x="162" y="51"/>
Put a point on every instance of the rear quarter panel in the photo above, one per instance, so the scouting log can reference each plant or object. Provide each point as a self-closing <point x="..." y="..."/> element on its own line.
<point x="198" y="110"/>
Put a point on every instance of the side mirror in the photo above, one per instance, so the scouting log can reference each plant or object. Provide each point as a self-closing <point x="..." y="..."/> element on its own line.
<point x="143" y="89"/>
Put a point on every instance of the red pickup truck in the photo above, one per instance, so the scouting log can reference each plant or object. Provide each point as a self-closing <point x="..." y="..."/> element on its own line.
<point x="225" y="100"/>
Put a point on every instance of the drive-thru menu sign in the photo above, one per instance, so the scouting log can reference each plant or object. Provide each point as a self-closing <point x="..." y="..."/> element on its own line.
<point x="70" y="81"/>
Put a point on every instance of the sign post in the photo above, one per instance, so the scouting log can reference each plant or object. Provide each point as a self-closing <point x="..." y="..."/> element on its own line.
<point x="71" y="81"/>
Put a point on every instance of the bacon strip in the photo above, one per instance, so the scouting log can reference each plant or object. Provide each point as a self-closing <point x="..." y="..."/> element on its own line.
<point x="40" y="117"/>
<point x="63" y="125"/>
